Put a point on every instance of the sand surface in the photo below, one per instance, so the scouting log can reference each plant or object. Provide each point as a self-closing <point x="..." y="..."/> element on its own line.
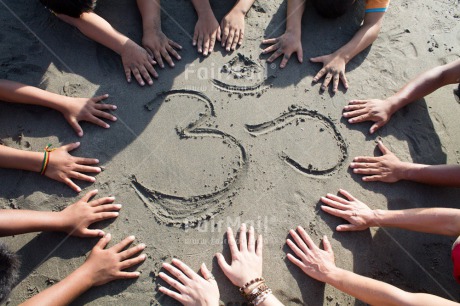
<point x="227" y="139"/>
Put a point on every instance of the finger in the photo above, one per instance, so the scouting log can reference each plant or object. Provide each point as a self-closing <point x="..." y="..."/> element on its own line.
<point x="219" y="32"/>
<point x="173" y="53"/>
<point x="173" y="295"/>
<point x="170" y="50"/>
<point x="326" y="82"/>
<point x="366" y="171"/>
<point x="232" y="243"/>
<point x="178" y="274"/>
<point x="348" y="195"/>
<point x="296" y="249"/>
<point x="138" y="77"/>
<point x="101" y="201"/>
<point x="318" y="59"/>
<point x="103" y="106"/>
<point x="86" y="169"/>
<point x="327" y="244"/>
<point x="306" y="238"/>
<point x="206" y="44"/>
<point x="243" y="241"/>
<point x="347" y="228"/>
<point x="335" y="82"/>
<point x="132" y="262"/>
<point x="167" y="58"/>
<point x="275" y="55"/>
<point x="200" y="43"/>
<point x="357" y="102"/>
<point x="89" y="195"/>
<point x="225" y="33"/>
<point x="151" y="70"/>
<point x="205" y="272"/>
<point x="285" y="60"/>
<point x="107" y="208"/>
<point x="373" y="178"/>
<point x="76" y="126"/>
<point x="71" y="146"/>
<point x="132" y="251"/>
<point x="335" y="212"/>
<point x="100" y="98"/>
<point x="270" y="41"/>
<point x="127" y="275"/>
<point x="223" y="263"/>
<point x="344" y="80"/>
<point x="175" y="45"/>
<point x="376" y="126"/>
<point x="128" y="74"/>
<point x="241" y="38"/>
<point x="271" y="48"/>
<point x="105" y="216"/>
<point x="123" y="244"/>
<point x="105" y="115"/>
<point x="212" y="43"/>
<point x="300" y="55"/>
<point x="186" y="269"/>
<point x="172" y="282"/>
<point x="88" y="161"/>
<point x="334" y="204"/>
<point x="98" y="122"/>
<point x="299" y="242"/>
<point x="260" y="246"/>
<point x="145" y="74"/>
<point x="71" y="184"/>
<point x="337" y="199"/>
<point x="363" y="159"/>
<point x="230" y="39"/>
<point x="159" y="59"/>
<point x="382" y="148"/>
<point x="360" y="118"/>
<point x="92" y="233"/>
<point x="195" y="38"/>
<point x="251" y="242"/>
<point x="363" y="112"/>
<point x="236" y="37"/>
<point x="351" y="107"/>
<point x="295" y="261"/>
<point x="102" y="243"/>
<point x="319" y="75"/>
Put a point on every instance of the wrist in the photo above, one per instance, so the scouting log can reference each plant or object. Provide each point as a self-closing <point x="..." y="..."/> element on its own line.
<point x="378" y="216"/>
<point x="395" y="103"/>
<point x="294" y="31"/>
<point x="85" y="276"/>
<point x="239" y="8"/>
<point x="32" y="161"/>
<point x="408" y="171"/>
<point x="204" y="12"/>
<point x="333" y="276"/>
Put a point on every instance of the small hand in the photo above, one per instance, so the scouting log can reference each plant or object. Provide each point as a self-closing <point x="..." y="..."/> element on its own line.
<point x="378" y="111"/>
<point x="286" y="44"/>
<point x="105" y="265"/>
<point x="314" y="262"/>
<point x="333" y="69"/>
<point x="193" y="289"/>
<point x="246" y="262"/>
<point x="159" y="46"/>
<point x="77" y="217"/>
<point x="232" y="30"/>
<point x="82" y="109"/>
<point x="387" y="168"/>
<point x="207" y="30"/>
<point x="352" y="210"/>
<point x="64" y="167"/>
<point x="138" y="62"/>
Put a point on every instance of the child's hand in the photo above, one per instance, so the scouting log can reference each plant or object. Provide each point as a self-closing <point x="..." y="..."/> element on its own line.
<point x="333" y="69"/>
<point x="232" y="29"/>
<point x="314" y="262"/>
<point x="287" y="44"/>
<point x="207" y="30"/>
<point x="82" y="109"/>
<point x="105" y="265"/>
<point x="138" y="62"/>
<point x="63" y="167"/>
<point x="193" y="289"/>
<point x="159" y="46"/>
<point x="387" y="168"/>
<point x="358" y="214"/>
<point x="379" y="111"/>
<point x="246" y="262"/>
<point x="77" y="217"/>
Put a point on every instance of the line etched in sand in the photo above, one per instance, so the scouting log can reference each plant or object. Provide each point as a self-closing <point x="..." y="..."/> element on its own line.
<point x="288" y="118"/>
<point x="188" y="211"/>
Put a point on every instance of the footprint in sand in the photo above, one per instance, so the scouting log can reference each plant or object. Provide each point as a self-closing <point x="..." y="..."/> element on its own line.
<point x="185" y="195"/>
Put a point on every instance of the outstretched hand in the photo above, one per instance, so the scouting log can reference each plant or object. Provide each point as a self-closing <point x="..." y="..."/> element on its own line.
<point x="64" y="167"/>
<point x="232" y="27"/>
<point x="333" y="70"/>
<point x="358" y="214"/>
<point x="378" y="111"/>
<point x="207" y="30"/>
<point x="313" y="261"/>
<point x="82" y="109"/>
<point x="246" y="264"/>
<point x="193" y="289"/>
<point x="137" y="62"/>
<point x="286" y="45"/>
<point x="160" y="47"/>
<point x="78" y="217"/>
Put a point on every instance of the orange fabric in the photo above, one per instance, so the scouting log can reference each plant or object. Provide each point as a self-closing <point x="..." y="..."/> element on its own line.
<point x="377" y="4"/>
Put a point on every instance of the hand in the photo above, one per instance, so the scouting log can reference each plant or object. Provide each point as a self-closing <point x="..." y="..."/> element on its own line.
<point x="105" y="265"/>
<point x="286" y="44"/>
<point x="232" y="29"/>
<point x="159" y="46"/>
<point x="137" y="61"/>
<point x="77" y="217"/>
<point x="378" y="111"/>
<point x="193" y="289"/>
<point x="207" y="30"/>
<point x="387" y="168"/>
<point x="246" y="262"/>
<point x="333" y="69"/>
<point x="82" y="109"/>
<point x="354" y="211"/>
<point x="63" y="167"/>
<point x="314" y="262"/>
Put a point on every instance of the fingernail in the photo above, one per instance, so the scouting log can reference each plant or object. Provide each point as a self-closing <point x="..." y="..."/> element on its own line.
<point x="77" y="143"/>
<point x="143" y="256"/>
<point x="142" y="83"/>
<point x="96" y="160"/>
<point x="78" y="189"/>
<point x="118" y="205"/>
<point x="93" y="179"/>
<point x="355" y="170"/>
<point x="132" y="237"/>
<point x="80" y="134"/>
<point x="179" y="57"/>
<point x="142" y="245"/>
<point x="114" y="107"/>
<point x="101" y="234"/>
<point x="108" y="236"/>
<point x="352" y="165"/>
<point x="116" y="214"/>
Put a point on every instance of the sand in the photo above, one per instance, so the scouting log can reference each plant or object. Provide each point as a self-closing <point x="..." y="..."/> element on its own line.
<point x="227" y="139"/>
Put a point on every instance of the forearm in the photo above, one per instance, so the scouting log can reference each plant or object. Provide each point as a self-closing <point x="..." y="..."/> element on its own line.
<point x="99" y="30"/>
<point x="441" y="221"/>
<point x="64" y="292"/>
<point x="19" y="93"/>
<point x="19" y="159"/>
<point x="271" y="301"/>
<point x="15" y="222"/>
<point x="202" y="7"/>
<point x="243" y="6"/>
<point x="443" y="175"/>
<point x="426" y="83"/>
<point x="151" y="14"/>
<point x="375" y="292"/>
<point x="295" y="9"/>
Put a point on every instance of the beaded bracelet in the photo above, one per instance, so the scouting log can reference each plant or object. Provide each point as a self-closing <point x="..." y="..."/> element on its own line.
<point x="261" y="298"/>
<point x="256" y="292"/>
<point x="256" y="280"/>
<point x="46" y="159"/>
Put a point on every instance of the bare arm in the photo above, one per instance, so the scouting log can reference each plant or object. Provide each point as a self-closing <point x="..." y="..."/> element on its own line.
<point x="19" y="159"/>
<point x="207" y="29"/>
<point x="232" y="25"/>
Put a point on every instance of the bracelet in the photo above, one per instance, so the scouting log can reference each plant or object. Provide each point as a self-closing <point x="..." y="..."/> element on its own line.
<point x="46" y="158"/>
<point x="262" y="298"/>
<point x="256" y="280"/>
<point x="256" y="292"/>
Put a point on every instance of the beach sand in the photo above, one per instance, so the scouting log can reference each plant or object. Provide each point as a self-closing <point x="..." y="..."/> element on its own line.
<point x="228" y="138"/>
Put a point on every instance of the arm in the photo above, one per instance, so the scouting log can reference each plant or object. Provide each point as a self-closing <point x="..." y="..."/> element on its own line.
<point x="154" y="40"/>
<point x="319" y="264"/>
<point x="334" y="64"/>
<point x="207" y="29"/>
<point x="441" y="221"/>
<point x="73" y="109"/>
<point x="135" y="59"/>
<point x="290" y="42"/>
<point x="388" y="168"/>
<point x="380" y="111"/>
<point x="102" y="266"/>
<point x="233" y="25"/>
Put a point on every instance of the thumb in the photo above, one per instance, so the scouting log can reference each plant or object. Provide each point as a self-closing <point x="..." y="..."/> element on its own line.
<point x="300" y="55"/>
<point x="346" y="228"/>
<point x="223" y="263"/>
<point x="318" y="59"/>
<point x="91" y="233"/>
<point x="383" y="148"/>
<point x="327" y="245"/>
<point x="76" y="126"/>
<point x="71" y="146"/>
<point x="376" y="126"/>
<point x="102" y="243"/>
